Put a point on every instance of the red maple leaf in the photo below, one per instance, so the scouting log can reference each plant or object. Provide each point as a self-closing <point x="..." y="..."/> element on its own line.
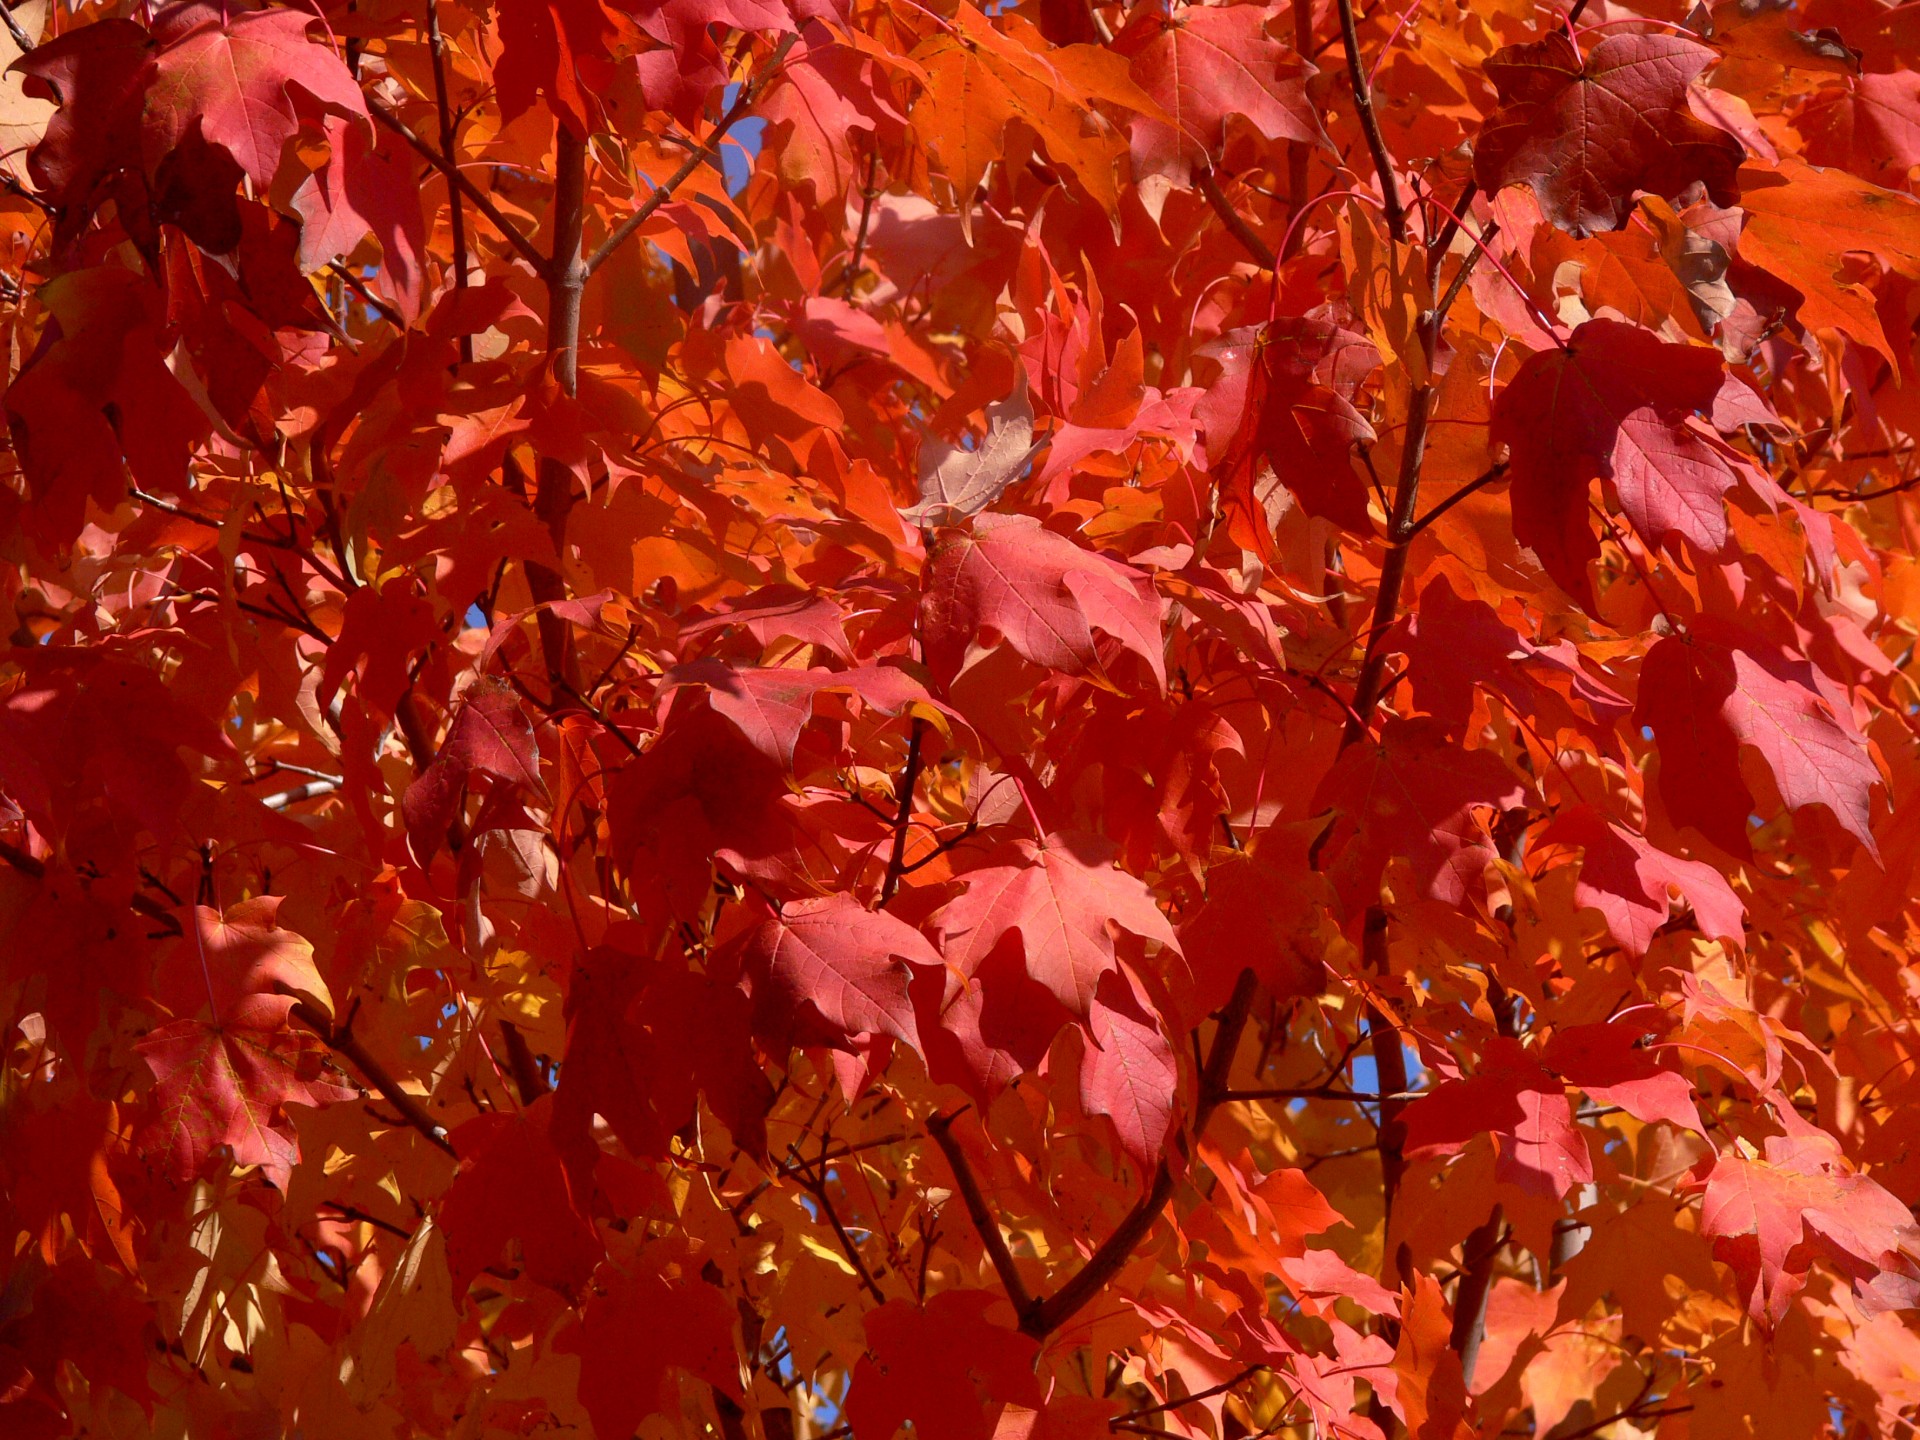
<point x="1710" y="692"/>
<point x="1617" y="403"/>
<point x="1588" y="132"/>
<point x="943" y="1366"/>
<point x="1770" y="1215"/>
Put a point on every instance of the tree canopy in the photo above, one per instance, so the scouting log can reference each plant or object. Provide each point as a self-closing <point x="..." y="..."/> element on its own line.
<point x="786" y="719"/>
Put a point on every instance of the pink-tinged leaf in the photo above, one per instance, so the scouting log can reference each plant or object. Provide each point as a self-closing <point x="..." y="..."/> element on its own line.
<point x="1413" y="793"/>
<point x="1770" y="1215"/>
<point x="1709" y="692"/>
<point x="1625" y="878"/>
<point x="1319" y="1278"/>
<point x="778" y="612"/>
<point x="832" y="972"/>
<point x="1618" y="403"/>
<point x="1203" y="64"/>
<point x="237" y="954"/>
<point x="235" y="72"/>
<point x="1538" y="1147"/>
<point x="771" y="705"/>
<point x="1009" y="580"/>
<point x="224" y="1083"/>
<point x="366" y="188"/>
<point x="1066" y="901"/>
<point x="1286" y="395"/>
<point x="1588" y="133"/>
<point x="1130" y="1074"/>
<point x="492" y="736"/>
<point x="1610" y="1064"/>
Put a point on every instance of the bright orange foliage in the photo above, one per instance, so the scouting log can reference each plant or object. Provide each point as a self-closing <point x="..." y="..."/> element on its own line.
<point x="786" y="718"/>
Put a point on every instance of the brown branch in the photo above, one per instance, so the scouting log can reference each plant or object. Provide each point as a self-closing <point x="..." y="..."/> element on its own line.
<point x="940" y="1127"/>
<point x="553" y="498"/>
<point x="1401" y="529"/>
<point x="20" y="37"/>
<point x="1222" y="1388"/>
<point x="344" y="1044"/>
<point x="350" y="1212"/>
<point x="1041" y="1317"/>
<point x="1390" y="1065"/>
<point x="1050" y="1314"/>
<point x="528" y="1078"/>
<point x="1299" y="152"/>
<point x="1370" y="124"/>
<point x="695" y="159"/>
<point x="1478" y="1254"/>
<point x="1315" y="1092"/>
<point x="443" y="112"/>
<point x="909" y="777"/>
<point x="455" y="177"/>
<point x="868" y="194"/>
<point x="816" y="1186"/>
<point x="1235" y="222"/>
<point x="1479" y="482"/>
<point x="372" y="301"/>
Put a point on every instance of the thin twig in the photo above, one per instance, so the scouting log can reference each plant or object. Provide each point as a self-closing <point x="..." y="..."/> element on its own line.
<point x="1235" y="222"/>
<point x="868" y="194"/>
<point x="372" y="301"/>
<point x="447" y="167"/>
<point x="443" y="111"/>
<point x="664" y="191"/>
<point x="20" y="37"/>
<point x="940" y="1127"/>
<point x="1222" y="1388"/>
<point x="1050" y="1314"/>
<point x="1370" y="125"/>
<point x="311" y="789"/>
<point x="346" y="1045"/>
<point x="909" y="777"/>
<point x="1479" y="482"/>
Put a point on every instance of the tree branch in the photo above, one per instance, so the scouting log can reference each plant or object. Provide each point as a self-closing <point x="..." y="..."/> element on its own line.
<point x="1370" y="125"/>
<point x="1479" y="482"/>
<point x="1050" y="1314"/>
<point x="1248" y="237"/>
<point x="1481" y="1249"/>
<point x="20" y="37"/>
<point x="940" y="1127"/>
<point x="909" y="777"/>
<point x="553" y="496"/>
<point x="445" y="165"/>
<point x="850" y="276"/>
<point x="695" y="159"/>
<point x="443" y="111"/>
<point x="344" y="1044"/>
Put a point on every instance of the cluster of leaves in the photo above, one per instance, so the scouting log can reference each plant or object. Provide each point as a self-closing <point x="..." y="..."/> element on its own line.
<point x="798" y="717"/>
